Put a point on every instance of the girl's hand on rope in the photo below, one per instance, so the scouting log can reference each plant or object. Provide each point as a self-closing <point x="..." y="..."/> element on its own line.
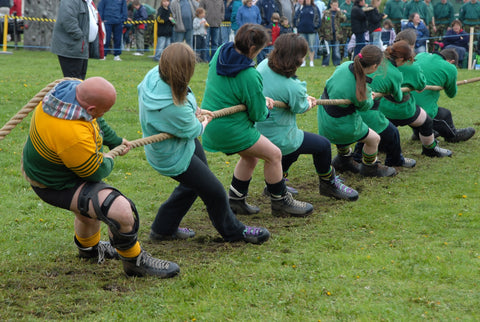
<point x="270" y="102"/>
<point x="374" y="95"/>
<point x="207" y="117"/>
<point x="312" y="102"/>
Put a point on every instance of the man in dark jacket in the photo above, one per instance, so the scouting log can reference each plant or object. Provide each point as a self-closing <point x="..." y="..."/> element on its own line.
<point x="113" y="14"/>
<point x="359" y="24"/>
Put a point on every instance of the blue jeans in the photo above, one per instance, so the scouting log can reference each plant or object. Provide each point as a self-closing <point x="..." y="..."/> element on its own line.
<point x="181" y="36"/>
<point x="213" y="41"/>
<point x="117" y="31"/>
<point x="334" y="52"/>
<point x="162" y="43"/>
<point x="359" y="43"/>
<point x="199" y="45"/>
<point x="224" y="34"/>
<point x="376" y="39"/>
<point x="198" y="181"/>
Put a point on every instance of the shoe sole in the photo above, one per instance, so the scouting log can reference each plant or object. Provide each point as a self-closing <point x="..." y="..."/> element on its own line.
<point x="282" y="213"/>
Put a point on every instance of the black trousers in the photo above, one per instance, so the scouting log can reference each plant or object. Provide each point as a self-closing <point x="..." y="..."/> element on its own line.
<point x="73" y="67"/>
<point x="198" y="181"/>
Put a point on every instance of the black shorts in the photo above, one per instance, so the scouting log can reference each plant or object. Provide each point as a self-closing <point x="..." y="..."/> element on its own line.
<point x="408" y="121"/>
<point x="58" y="198"/>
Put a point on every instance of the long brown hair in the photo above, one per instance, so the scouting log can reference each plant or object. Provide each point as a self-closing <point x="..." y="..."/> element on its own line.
<point x="176" y="68"/>
<point x="369" y="55"/>
<point x="288" y="53"/>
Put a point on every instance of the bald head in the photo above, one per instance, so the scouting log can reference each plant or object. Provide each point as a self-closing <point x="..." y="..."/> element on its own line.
<point x="96" y="95"/>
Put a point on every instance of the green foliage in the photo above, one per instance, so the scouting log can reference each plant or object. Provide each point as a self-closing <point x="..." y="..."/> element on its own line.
<point x="408" y="249"/>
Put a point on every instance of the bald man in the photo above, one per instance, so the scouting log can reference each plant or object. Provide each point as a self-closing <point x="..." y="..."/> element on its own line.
<point x="64" y="162"/>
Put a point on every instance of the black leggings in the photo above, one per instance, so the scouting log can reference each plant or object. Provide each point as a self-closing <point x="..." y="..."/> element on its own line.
<point x="198" y="181"/>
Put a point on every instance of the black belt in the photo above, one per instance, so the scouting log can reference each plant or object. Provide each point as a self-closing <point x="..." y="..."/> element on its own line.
<point x="389" y="97"/>
<point x="335" y="110"/>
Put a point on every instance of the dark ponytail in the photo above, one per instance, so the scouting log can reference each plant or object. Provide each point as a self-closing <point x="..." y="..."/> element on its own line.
<point x="369" y="55"/>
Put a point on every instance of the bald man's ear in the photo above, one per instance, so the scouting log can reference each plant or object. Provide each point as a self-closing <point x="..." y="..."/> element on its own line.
<point x="91" y="110"/>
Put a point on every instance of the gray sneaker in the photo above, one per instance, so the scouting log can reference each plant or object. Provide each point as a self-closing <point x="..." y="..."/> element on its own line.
<point x="181" y="233"/>
<point x="146" y="265"/>
<point x="255" y="235"/>
<point x="287" y="205"/>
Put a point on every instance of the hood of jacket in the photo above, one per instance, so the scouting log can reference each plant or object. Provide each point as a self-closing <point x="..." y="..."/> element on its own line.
<point x="61" y="102"/>
<point x="230" y="62"/>
<point x="153" y="92"/>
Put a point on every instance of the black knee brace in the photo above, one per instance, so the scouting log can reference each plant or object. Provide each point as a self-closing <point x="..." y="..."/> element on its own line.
<point x="426" y="129"/>
<point x="121" y="241"/>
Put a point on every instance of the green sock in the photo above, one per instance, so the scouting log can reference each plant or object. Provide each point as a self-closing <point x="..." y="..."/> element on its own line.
<point x="432" y="145"/>
<point x="369" y="158"/>
<point x="343" y="150"/>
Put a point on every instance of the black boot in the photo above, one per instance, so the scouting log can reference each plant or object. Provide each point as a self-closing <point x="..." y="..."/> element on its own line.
<point x="436" y="152"/>
<point x="239" y="205"/>
<point x="376" y="169"/>
<point x="462" y="135"/>
<point x="286" y="205"/>
<point x="146" y="265"/>
<point x="344" y="163"/>
<point x="336" y="189"/>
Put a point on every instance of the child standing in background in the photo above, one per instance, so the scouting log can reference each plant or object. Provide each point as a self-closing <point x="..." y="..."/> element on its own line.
<point x="165" y="23"/>
<point x="285" y="27"/>
<point x="200" y="25"/>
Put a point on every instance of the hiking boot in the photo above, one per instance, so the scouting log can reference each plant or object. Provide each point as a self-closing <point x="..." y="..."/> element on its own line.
<point x="293" y="191"/>
<point x="239" y="205"/>
<point x="181" y="233"/>
<point x="376" y="170"/>
<point x="344" y="163"/>
<point x="103" y="250"/>
<point x="462" y="135"/>
<point x="408" y="163"/>
<point x="255" y="235"/>
<point x="287" y="205"/>
<point x="436" y="152"/>
<point x="336" y="189"/>
<point x="144" y="264"/>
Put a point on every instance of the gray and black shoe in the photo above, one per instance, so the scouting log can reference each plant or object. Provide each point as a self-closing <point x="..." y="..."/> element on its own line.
<point x="336" y="189"/>
<point x="376" y="169"/>
<point x="462" y="135"/>
<point x="103" y="250"/>
<point x="344" y="163"/>
<point x="239" y="205"/>
<point x="255" y="235"/>
<point x="181" y="233"/>
<point x="286" y="205"/>
<point x="436" y="152"/>
<point x="146" y="265"/>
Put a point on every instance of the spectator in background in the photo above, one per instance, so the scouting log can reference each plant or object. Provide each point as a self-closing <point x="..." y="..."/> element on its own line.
<point x="151" y="12"/>
<point x="388" y="33"/>
<point x="394" y="10"/>
<point x="469" y="15"/>
<point x="444" y="14"/>
<point x="359" y="25"/>
<point x="285" y="27"/>
<point x="286" y="8"/>
<point x="374" y="22"/>
<point x="183" y="12"/>
<point x="113" y="14"/>
<point x="457" y="39"/>
<point x="307" y="21"/>
<point x="200" y="26"/>
<point x="71" y="37"/>
<point x="226" y="26"/>
<point x="165" y="23"/>
<point x="346" y="26"/>
<point x="248" y="13"/>
<point x="139" y="14"/>
<point x="236" y="4"/>
<point x="417" y="6"/>
<point x="421" y="30"/>
<point x="215" y="13"/>
<point x="267" y="9"/>
<point x="5" y="6"/>
<point x="332" y="33"/>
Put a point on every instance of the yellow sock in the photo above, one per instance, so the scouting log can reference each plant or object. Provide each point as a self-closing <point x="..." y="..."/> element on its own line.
<point x="131" y="252"/>
<point x="89" y="241"/>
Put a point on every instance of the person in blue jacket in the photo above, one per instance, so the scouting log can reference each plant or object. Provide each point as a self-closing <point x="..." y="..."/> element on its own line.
<point x="248" y="13"/>
<point x="113" y="14"/>
<point x="307" y="20"/>
<point x="167" y="105"/>
<point x="414" y="22"/>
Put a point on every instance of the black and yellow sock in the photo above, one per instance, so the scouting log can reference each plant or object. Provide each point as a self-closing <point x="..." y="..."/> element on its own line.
<point x="369" y="158"/>
<point x="131" y="252"/>
<point x="326" y="176"/>
<point x="86" y="242"/>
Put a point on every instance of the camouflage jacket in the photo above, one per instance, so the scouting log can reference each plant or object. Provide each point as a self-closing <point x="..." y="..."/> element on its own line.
<point x="326" y="30"/>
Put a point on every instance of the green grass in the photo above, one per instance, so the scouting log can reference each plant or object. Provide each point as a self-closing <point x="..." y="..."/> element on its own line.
<point x="408" y="249"/>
